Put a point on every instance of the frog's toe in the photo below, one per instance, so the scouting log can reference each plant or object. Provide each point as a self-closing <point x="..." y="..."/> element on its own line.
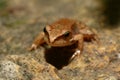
<point x="33" y="47"/>
<point x="77" y="53"/>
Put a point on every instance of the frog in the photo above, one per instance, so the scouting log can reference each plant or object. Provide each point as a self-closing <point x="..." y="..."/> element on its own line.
<point x="65" y="32"/>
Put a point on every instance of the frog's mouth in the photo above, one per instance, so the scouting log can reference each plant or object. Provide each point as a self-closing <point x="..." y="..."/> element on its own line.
<point x="59" y="42"/>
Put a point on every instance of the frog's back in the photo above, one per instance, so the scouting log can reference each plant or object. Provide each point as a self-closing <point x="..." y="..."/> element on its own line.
<point x="63" y="23"/>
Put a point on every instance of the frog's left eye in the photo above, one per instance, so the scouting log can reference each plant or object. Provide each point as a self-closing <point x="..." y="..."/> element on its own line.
<point x="66" y="34"/>
<point x="45" y="29"/>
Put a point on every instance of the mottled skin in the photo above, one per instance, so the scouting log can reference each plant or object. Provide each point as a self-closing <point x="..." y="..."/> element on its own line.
<point x="64" y="32"/>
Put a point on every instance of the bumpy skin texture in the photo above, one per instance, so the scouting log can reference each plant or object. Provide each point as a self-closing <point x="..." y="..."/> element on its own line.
<point x="64" y="32"/>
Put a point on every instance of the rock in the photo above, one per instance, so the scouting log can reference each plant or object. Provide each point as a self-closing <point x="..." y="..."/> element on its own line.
<point x="9" y="71"/>
<point x="26" y="68"/>
<point x="24" y="19"/>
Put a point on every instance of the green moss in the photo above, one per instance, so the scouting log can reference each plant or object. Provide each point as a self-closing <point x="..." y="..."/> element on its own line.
<point x="3" y="7"/>
<point x="15" y="23"/>
<point x="2" y="4"/>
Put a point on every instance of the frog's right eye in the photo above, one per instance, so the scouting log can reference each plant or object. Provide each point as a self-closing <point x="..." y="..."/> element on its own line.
<point x="45" y="29"/>
<point x="66" y="34"/>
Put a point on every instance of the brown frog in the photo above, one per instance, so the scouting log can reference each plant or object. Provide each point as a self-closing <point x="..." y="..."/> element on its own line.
<point x="64" y="32"/>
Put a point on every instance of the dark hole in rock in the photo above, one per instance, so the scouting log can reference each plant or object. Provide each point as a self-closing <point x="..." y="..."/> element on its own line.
<point x="112" y="11"/>
<point x="59" y="56"/>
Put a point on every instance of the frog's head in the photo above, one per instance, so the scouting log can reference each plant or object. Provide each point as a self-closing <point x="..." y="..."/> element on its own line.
<point x="57" y="35"/>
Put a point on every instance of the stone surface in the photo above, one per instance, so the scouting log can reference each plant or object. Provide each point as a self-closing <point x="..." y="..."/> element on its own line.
<point x="22" y="20"/>
<point x="9" y="70"/>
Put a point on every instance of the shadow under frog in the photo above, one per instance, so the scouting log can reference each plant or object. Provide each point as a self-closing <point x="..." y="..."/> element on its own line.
<point x="60" y="56"/>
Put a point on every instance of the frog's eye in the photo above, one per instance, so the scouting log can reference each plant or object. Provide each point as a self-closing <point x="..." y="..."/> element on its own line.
<point x="45" y="29"/>
<point x="66" y="34"/>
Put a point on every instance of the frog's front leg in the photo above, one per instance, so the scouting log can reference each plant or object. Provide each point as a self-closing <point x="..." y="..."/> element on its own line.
<point x="79" y="39"/>
<point x="38" y="41"/>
